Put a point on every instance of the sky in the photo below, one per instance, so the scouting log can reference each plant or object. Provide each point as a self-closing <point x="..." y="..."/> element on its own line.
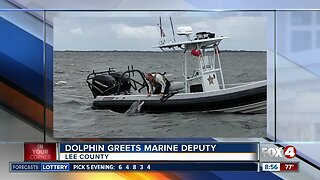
<point x="136" y="32"/>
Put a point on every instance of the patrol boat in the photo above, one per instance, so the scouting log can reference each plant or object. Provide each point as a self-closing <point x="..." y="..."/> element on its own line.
<point x="205" y="90"/>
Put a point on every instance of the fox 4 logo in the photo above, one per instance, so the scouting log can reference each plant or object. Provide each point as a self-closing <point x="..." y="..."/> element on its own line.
<point x="279" y="152"/>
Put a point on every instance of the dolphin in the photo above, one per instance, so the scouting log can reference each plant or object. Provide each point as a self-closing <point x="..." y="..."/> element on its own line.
<point x="135" y="108"/>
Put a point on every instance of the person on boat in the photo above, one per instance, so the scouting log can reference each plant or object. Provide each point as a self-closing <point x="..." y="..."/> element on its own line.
<point x="159" y="82"/>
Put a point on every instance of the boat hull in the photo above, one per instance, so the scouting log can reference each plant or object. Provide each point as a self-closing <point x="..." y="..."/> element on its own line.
<point x="249" y="98"/>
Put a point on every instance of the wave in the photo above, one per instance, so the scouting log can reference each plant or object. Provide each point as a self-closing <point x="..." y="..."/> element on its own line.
<point x="72" y="102"/>
<point x="58" y="72"/>
<point x="60" y="83"/>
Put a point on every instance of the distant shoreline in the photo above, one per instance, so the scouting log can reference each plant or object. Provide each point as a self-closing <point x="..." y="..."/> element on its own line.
<point x="170" y="51"/>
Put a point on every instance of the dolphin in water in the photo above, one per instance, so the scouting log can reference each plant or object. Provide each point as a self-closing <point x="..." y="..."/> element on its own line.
<point x="135" y="107"/>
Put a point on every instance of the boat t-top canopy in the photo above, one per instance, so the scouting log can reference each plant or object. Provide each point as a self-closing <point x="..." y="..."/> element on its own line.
<point x="204" y="78"/>
<point x="192" y="44"/>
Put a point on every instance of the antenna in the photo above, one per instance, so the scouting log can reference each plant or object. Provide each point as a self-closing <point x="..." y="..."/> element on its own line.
<point x="160" y="26"/>
<point x="162" y="35"/>
<point x="174" y="36"/>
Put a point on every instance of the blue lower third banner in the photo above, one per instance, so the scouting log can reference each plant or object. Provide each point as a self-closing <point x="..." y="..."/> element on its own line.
<point x="158" y="151"/>
<point x="152" y="166"/>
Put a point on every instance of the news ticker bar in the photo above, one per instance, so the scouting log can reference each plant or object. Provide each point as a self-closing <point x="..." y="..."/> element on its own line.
<point x="142" y="151"/>
<point x="33" y="167"/>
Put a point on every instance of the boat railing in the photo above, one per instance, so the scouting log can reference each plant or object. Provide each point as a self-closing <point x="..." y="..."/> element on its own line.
<point x="211" y="70"/>
<point x="92" y="87"/>
<point x="134" y="83"/>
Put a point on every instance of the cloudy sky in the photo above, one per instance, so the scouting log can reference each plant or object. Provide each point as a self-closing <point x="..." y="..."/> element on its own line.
<point x="140" y="32"/>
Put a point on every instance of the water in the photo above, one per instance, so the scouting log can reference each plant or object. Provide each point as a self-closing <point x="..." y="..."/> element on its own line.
<point x="74" y="117"/>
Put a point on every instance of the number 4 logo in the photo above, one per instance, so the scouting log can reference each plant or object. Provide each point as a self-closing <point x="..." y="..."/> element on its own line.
<point x="290" y="152"/>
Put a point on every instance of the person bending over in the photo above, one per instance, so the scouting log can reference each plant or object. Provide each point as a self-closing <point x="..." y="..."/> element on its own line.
<point x="159" y="82"/>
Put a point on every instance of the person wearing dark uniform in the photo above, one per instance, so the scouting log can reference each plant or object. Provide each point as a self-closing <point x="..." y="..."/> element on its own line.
<point x="159" y="82"/>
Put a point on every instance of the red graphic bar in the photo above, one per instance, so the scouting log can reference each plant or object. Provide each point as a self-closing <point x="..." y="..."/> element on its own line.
<point x="289" y="166"/>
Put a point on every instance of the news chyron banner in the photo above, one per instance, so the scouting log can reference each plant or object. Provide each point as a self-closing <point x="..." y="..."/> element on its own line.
<point x="138" y="156"/>
<point x="158" y="152"/>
